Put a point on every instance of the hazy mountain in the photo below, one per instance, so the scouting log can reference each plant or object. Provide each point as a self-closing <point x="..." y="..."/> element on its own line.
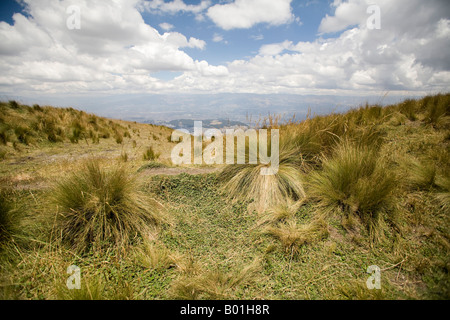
<point x="237" y="107"/>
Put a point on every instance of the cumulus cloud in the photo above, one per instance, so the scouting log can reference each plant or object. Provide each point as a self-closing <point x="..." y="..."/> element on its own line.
<point x="346" y="14"/>
<point x="275" y="48"/>
<point x="116" y="51"/>
<point x="166" y="26"/>
<point x="401" y="16"/>
<point x="219" y="38"/>
<point x="416" y="28"/>
<point x="173" y="6"/>
<point x="408" y="54"/>
<point x="258" y="37"/>
<point x="243" y="14"/>
<point x="113" y="50"/>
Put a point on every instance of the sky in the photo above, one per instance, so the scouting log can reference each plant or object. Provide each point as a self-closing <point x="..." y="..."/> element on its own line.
<point x="86" y="52"/>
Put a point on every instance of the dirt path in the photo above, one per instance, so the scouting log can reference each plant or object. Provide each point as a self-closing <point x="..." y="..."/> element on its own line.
<point x="176" y="171"/>
<point x="29" y="181"/>
<point x="34" y="169"/>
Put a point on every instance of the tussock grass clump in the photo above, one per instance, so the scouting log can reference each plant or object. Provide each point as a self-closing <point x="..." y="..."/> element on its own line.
<point x="280" y="213"/>
<point x="214" y="284"/>
<point x="318" y="136"/>
<point x="150" y="154"/>
<point x="3" y="153"/>
<point x="76" y="130"/>
<point x="245" y="182"/>
<point x="12" y="228"/>
<point x="6" y="221"/>
<point x="409" y="109"/>
<point x="95" y="138"/>
<point x="101" y="207"/>
<point x="37" y="108"/>
<point x="302" y="148"/>
<point x="118" y="137"/>
<point x="354" y="181"/>
<point x="94" y="289"/>
<point x="292" y="235"/>
<point x="123" y="156"/>
<point x="23" y="135"/>
<point x="437" y="109"/>
<point x="13" y="104"/>
<point x="444" y="194"/>
<point x="155" y="256"/>
<point x="4" y="137"/>
<point x="421" y="175"/>
<point x="97" y="287"/>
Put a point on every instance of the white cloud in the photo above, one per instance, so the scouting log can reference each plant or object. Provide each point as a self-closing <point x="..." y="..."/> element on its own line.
<point x="114" y="49"/>
<point x="408" y="54"/>
<point x="243" y="14"/>
<point x="400" y="15"/>
<point x="206" y="70"/>
<point x="173" y="6"/>
<point x="346" y="14"/>
<point x="275" y="48"/>
<point x="166" y="26"/>
<point x="180" y="41"/>
<point x="258" y="37"/>
<point x="196" y="43"/>
<point x="218" y="38"/>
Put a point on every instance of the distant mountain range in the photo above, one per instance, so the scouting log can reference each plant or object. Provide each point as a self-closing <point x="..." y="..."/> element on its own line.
<point x="164" y="109"/>
<point x="188" y="124"/>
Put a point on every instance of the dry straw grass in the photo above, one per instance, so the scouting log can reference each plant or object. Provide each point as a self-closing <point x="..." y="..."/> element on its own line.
<point x="293" y="235"/>
<point x="102" y="207"/>
<point x="214" y="284"/>
<point x="245" y="182"/>
<point x="354" y="181"/>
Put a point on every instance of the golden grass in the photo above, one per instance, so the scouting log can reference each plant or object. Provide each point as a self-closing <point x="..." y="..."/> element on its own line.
<point x="245" y="182"/>
<point x="214" y="284"/>
<point x="99" y="207"/>
<point x="293" y="235"/>
<point x="354" y="181"/>
<point x="340" y="164"/>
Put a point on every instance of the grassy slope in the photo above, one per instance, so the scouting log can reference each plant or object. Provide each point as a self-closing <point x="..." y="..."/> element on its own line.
<point x="38" y="160"/>
<point x="214" y="248"/>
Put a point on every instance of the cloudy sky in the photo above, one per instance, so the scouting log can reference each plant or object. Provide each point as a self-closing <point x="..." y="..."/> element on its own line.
<point x="269" y="47"/>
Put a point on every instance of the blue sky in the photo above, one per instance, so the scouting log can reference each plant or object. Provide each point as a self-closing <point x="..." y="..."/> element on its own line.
<point x="7" y="9"/>
<point x="139" y="48"/>
<point x="238" y="43"/>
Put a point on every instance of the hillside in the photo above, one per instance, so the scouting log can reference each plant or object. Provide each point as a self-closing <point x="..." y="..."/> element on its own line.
<point x="367" y="187"/>
<point x="35" y="139"/>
